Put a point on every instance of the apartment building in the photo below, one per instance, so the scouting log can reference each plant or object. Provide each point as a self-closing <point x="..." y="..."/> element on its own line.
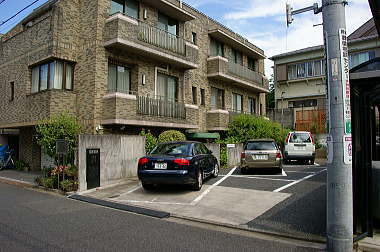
<point x="125" y="65"/>
<point x="300" y="80"/>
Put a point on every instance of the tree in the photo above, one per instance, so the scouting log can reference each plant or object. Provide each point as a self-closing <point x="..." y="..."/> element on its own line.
<point x="62" y="126"/>
<point x="270" y="98"/>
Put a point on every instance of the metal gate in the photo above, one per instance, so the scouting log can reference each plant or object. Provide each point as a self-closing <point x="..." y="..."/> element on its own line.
<point x="93" y="168"/>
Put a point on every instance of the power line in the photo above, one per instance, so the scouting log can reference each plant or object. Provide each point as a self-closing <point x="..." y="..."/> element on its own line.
<point x="17" y="12"/>
<point x="1" y="1"/>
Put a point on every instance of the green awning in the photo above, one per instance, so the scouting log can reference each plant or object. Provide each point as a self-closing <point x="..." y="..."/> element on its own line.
<point x="204" y="135"/>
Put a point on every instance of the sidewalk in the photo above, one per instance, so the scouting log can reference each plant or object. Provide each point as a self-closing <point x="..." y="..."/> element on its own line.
<point x="369" y="244"/>
<point x="19" y="177"/>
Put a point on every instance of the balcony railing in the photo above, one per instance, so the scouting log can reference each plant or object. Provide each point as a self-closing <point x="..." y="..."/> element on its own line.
<point x="160" y="107"/>
<point x="161" y="38"/>
<point x="244" y="72"/>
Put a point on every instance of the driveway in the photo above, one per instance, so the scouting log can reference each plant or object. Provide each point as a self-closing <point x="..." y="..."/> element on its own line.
<point x="290" y="202"/>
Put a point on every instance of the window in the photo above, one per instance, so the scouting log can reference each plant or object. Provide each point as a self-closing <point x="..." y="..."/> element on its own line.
<point x="303" y="103"/>
<point x="194" y="93"/>
<point x="52" y="75"/>
<point x="251" y="64"/>
<point x="12" y="89"/>
<point x="167" y="24"/>
<point x="260" y="146"/>
<point x="306" y="69"/>
<point x="127" y="7"/>
<point x="216" y="48"/>
<point x="119" y="78"/>
<point x="194" y="38"/>
<point x="236" y="57"/>
<point x="217" y="98"/>
<point x="237" y="103"/>
<point x="166" y="87"/>
<point x="251" y="105"/>
<point x="356" y="59"/>
<point x="202" y="97"/>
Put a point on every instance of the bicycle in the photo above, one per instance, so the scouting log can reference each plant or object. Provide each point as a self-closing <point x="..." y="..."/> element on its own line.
<point x="8" y="161"/>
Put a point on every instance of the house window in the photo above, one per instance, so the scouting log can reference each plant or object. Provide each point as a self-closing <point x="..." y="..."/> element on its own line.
<point x="217" y="98"/>
<point x="251" y="105"/>
<point x="216" y="48"/>
<point x="167" y="24"/>
<point x="167" y="87"/>
<point x="52" y="75"/>
<point x="12" y="89"/>
<point x="127" y="7"/>
<point x="194" y="94"/>
<point x="202" y="97"/>
<point x="194" y="38"/>
<point x="237" y="103"/>
<point x="306" y="69"/>
<point x="359" y="58"/>
<point x="119" y="78"/>
<point x="236" y="57"/>
<point x="303" y="103"/>
<point x="251" y="64"/>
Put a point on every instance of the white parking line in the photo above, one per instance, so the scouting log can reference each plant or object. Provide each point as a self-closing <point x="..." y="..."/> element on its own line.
<point x="132" y="190"/>
<point x="302" y="172"/>
<point x="254" y="177"/>
<point x="153" y="202"/>
<point x="284" y="173"/>
<point x="298" y="181"/>
<point x="197" y="199"/>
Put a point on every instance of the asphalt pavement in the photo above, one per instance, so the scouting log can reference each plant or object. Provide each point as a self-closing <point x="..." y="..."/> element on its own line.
<point x="38" y="221"/>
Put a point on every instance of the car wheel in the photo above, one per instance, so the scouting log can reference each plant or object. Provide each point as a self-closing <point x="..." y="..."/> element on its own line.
<point x="147" y="187"/>
<point x="215" y="173"/>
<point x="312" y="161"/>
<point x="198" y="184"/>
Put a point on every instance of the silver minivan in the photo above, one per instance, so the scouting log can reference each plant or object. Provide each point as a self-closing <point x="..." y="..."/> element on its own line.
<point x="299" y="145"/>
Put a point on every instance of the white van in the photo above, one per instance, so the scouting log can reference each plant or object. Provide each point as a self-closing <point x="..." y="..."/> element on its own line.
<point x="299" y="145"/>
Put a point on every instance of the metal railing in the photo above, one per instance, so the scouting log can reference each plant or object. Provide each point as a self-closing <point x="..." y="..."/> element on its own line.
<point x="246" y="73"/>
<point x="161" y="38"/>
<point x="160" y="107"/>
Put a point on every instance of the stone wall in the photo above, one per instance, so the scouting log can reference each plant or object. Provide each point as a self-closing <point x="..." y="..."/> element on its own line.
<point x="119" y="157"/>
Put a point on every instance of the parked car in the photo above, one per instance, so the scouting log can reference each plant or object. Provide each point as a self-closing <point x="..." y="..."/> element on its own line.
<point x="177" y="163"/>
<point x="299" y="145"/>
<point x="260" y="153"/>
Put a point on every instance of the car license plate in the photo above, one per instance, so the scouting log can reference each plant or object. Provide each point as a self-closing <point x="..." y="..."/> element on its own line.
<point x="261" y="157"/>
<point x="160" y="166"/>
<point x="300" y="147"/>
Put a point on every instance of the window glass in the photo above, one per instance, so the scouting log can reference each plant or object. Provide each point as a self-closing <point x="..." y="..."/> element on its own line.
<point x="310" y="66"/>
<point x="204" y="149"/>
<point x="44" y="76"/>
<point x="194" y="38"/>
<point x="35" y="79"/>
<point x="300" y="138"/>
<point x="117" y="6"/>
<point x="251" y="105"/>
<point x="251" y="63"/>
<point x="217" y="48"/>
<point x="292" y="69"/>
<point x="317" y="68"/>
<point x="118" y="78"/>
<point x="58" y="75"/>
<point x="167" y="24"/>
<point x="69" y="76"/>
<point x="202" y="97"/>
<point x="217" y="98"/>
<point x="132" y="8"/>
<point x="166" y="87"/>
<point x="237" y="103"/>
<point x="301" y="70"/>
<point x="112" y="78"/>
<point x="260" y="146"/>
<point x="194" y="94"/>
<point x="359" y="58"/>
<point x="12" y="89"/>
<point x="171" y="149"/>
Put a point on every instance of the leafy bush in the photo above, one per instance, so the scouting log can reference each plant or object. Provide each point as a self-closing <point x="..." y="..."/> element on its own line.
<point x="71" y="171"/>
<point x="223" y="156"/>
<point x="170" y="136"/>
<point x="48" y="182"/>
<point x="62" y="126"/>
<point x="245" y="127"/>
<point x="21" y="165"/>
<point x="150" y="140"/>
<point x="67" y="185"/>
<point x="38" y="180"/>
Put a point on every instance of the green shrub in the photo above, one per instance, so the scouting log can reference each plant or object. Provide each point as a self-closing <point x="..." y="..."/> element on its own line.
<point x="246" y="127"/>
<point x="48" y="182"/>
<point x="21" y="165"/>
<point x="38" y="180"/>
<point x="71" y="171"/>
<point x="67" y="185"/>
<point x="150" y="140"/>
<point x="223" y="156"/>
<point x="170" y="136"/>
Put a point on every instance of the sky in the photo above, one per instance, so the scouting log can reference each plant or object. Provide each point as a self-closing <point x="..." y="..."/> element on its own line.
<point x="262" y="22"/>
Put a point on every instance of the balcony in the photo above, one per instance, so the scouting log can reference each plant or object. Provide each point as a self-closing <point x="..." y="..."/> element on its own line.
<point x="132" y="109"/>
<point x="125" y="33"/>
<point x="221" y="69"/>
<point x="217" y="120"/>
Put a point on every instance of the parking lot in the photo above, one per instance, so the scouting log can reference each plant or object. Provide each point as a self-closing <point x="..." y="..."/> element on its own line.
<point x="291" y="201"/>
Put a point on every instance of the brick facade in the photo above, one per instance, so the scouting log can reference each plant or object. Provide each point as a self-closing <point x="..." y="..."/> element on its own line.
<point x="83" y="33"/>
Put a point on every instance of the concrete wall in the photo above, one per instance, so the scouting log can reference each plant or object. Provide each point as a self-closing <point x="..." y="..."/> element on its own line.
<point x="215" y="148"/>
<point x="119" y="157"/>
<point x="287" y="119"/>
<point x="233" y="155"/>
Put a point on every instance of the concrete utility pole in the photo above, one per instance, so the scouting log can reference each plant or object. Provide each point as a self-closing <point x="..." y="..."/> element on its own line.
<point x="339" y="168"/>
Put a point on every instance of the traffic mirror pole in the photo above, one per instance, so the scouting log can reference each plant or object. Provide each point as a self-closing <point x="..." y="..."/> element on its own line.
<point x="339" y="226"/>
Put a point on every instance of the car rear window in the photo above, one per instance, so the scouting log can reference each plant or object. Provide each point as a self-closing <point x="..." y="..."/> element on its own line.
<point x="300" y="138"/>
<point x="172" y="149"/>
<point x="260" y="146"/>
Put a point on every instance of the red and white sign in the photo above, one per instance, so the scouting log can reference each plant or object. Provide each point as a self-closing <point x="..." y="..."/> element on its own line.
<point x="347" y="142"/>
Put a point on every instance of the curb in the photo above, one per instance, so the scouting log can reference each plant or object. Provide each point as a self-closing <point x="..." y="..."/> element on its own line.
<point x="11" y="181"/>
<point x="123" y="207"/>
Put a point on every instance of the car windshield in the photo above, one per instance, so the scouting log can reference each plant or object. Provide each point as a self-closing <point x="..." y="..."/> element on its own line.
<point x="260" y="146"/>
<point x="171" y="149"/>
<point x="300" y="138"/>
